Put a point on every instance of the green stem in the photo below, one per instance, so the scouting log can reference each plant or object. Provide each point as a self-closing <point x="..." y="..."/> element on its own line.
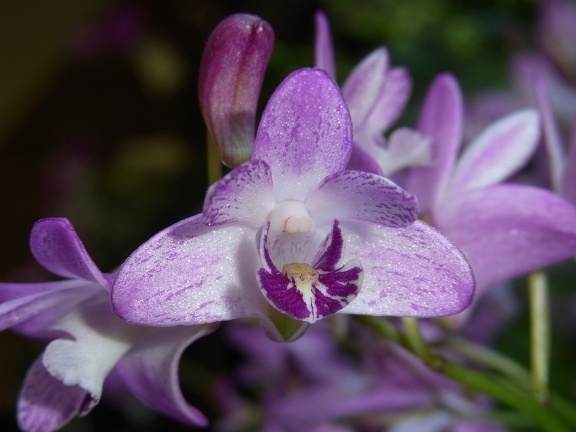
<point x="539" y="334"/>
<point x="214" y="162"/>
<point x="417" y="343"/>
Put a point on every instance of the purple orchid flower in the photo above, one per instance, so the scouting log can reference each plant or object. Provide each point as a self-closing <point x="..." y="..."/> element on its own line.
<point x="505" y="230"/>
<point x="376" y="95"/>
<point x="292" y="229"/>
<point x="90" y="341"/>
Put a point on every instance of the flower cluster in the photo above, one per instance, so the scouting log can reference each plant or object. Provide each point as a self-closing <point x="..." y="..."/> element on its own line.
<point x="327" y="235"/>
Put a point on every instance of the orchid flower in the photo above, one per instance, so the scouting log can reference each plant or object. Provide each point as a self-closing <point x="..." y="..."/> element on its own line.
<point x="504" y="230"/>
<point x="376" y="95"/>
<point x="89" y="340"/>
<point x="290" y="236"/>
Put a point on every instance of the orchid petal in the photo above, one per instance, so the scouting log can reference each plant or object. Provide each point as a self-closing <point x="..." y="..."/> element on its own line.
<point x="324" y="49"/>
<point x="305" y="133"/>
<point x="150" y="370"/>
<point x="364" y="86"/>
<point x="391" y="101"/>
<point x="502" y="149"/>
<point x="57" y="247"/>
<point x="406" y="148"/>
<point x="362" y="160"/>
<point x="414" y="271"/>
<point x="100" y="339"/>
<point x="441" y="122"/>
<point x="32" y="308"/>
<point x="244" y="195"/>
<point x="191" y="274"/>
<point x="46" y="404"/>
<point x="568" y="187"/>
<point x="360" y="196"/>
<point x="516" y="229"/>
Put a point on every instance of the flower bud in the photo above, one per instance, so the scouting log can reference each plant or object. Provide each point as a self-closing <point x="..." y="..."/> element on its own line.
<point x="231" y="74"/>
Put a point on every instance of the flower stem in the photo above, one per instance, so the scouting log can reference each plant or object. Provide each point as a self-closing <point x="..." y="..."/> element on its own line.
<point x="214" y="163"/>
<point x="539" y="334"/>
<point x="417" y="343"/>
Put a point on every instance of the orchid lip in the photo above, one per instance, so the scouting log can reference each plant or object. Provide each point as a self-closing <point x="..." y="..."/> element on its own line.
<point x="309" y="292"/>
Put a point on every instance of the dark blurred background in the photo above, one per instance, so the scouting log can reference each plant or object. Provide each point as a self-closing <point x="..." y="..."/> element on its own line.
<point x="99" y="120"/>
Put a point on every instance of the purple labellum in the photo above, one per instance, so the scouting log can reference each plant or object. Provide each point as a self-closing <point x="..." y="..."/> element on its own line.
<point x="310" y="292"/>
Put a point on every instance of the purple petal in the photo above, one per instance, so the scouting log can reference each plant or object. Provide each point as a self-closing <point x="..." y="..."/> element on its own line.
<point x="509" y="230"/>
<point x="413" y="271"/>
<point x="361" y="160"/>
<point x="391" y="101"/>
<point x="57" y="247"/>
<point x="501" y="150"/>
<point x="31" y="308"/>
<point x="231" y="74"/>
<point x="364" y="86"/>
<point x="191" y="274"/>
<point x="550" y="131"/>
<point x="305" y="133"/>
<point x="150" y="370"/>
<point x="324" y="50"/>
<point x="45" y="404"/>
<point x="360" y="196"/>
<point x="440" y="121"/>
<point x="244" y="195"/>
<point x="568" y="188"/>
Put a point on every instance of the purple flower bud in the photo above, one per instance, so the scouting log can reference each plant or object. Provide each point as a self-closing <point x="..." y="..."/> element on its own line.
<point x="231" y="75"/>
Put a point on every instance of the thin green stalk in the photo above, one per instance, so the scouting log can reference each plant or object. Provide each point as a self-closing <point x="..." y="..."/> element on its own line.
<point x="539" y="334"/>
<point x="417" y="343"/>
<point x="214" y="162"/>
<point x="487" y="357"/>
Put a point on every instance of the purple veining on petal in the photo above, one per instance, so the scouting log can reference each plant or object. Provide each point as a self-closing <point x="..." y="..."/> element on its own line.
<point x="307" y="292"/>
<point x="330" y="250"/>
<point x="356" y="195"/>
<point x="244" y="195"/>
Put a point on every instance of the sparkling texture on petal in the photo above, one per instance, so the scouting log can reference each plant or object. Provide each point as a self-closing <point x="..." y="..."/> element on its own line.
<point x="57" y="247"/>
<point x="311" y="292"/>
<point x="305" y="133"/>
<point x="356" y="195"/>
<point x="414" y="271"/>
<point x="191" y="274"/>
<point x="244" y="195"/>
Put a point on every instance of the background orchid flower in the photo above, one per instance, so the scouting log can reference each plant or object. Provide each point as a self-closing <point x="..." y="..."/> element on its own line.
<point x="376" y="94"/>
<point x="505" y="230"/>
<point x="311" y="383"/>
<point x="292" y="231"/>
<point x="89" y="340"/>
<point x="231" y="74"/>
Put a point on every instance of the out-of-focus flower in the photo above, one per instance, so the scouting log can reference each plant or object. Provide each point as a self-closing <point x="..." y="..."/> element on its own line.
<point x="505" y="230"/>
<point x="231" y="74"/>
<point x="291" y="228"/>
<point x="311" y="383"/>
<point x="90" y="341"/>
<point x="376" y="94"/>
